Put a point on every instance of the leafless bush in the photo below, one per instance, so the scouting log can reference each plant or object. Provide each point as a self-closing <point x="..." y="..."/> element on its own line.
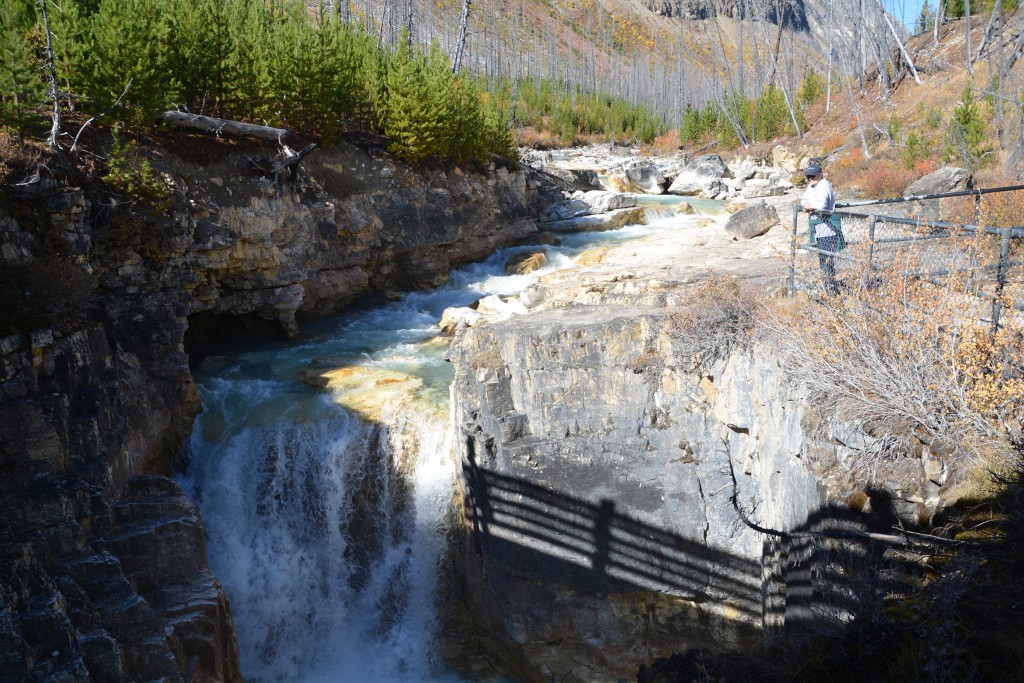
<point x="907" y="356"/>
<point x="718" y="317"/>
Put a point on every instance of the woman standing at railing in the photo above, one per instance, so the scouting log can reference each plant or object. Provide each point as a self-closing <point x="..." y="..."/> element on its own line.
<point x="819" y="197"/>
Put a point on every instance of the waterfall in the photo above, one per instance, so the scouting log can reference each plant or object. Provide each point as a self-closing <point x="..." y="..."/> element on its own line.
<point x="326" y="531"/>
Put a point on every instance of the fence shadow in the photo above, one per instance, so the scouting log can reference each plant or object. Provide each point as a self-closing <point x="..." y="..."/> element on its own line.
<point x="800" y="582"/>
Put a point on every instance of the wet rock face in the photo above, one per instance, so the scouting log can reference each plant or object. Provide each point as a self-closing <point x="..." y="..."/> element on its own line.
<point x="103" y="573"/>
<point x="598" y="478"/>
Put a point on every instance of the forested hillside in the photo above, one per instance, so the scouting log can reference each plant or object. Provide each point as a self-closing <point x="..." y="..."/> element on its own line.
<point x="438" y="79"/>
<point x="464" y="79"/>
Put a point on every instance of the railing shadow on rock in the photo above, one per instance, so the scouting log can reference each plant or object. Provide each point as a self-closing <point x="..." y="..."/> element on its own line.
<point x="819" y="576"/>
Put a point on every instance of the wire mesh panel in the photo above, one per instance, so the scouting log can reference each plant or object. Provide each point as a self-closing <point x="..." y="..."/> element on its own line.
<point x="980" y="261"/>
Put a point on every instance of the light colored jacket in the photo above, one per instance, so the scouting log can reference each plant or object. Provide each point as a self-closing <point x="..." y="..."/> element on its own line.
<point x="820" y="197"/>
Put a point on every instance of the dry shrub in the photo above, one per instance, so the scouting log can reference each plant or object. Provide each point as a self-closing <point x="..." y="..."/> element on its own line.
<point x="833" y="141"/>
<point x="17" y="156"/>
<point x="848" y="170"/>
<point x="997" y="209"/>
<point x="717" y="317"/>
<point x="885" y="178"/>
<point x="923" y="167"/>
<point x="667" y="143"/>
<point x="537" y="138"/>
<point x="1002" y="209"/>
<point x="876" y="178"/>
<point x="912" y="356"/>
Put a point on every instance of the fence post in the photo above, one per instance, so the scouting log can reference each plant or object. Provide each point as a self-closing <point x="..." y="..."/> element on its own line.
<point x="791" y="286"/>
<point x="1004" y="264"/>
<point x="871" y="243"/>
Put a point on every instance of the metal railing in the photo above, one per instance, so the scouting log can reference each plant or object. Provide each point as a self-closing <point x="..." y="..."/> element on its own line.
<point x="930" y="249"/>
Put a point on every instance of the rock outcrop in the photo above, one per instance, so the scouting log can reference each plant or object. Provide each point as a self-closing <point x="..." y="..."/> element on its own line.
<point x="704" y="175"/>
<point x="947" y="179"/>
<point x="626" y="497"/>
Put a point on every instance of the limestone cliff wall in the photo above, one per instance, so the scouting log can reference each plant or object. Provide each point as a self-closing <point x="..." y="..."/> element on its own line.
<point x="612" y="493"/>
<point x="103" y="572"/>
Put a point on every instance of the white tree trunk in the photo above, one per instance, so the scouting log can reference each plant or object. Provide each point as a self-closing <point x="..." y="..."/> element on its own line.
<point x="831" y="39"/>
<point x="51" y="77"/>
<point x="460" y="44"/>
<point x="967" y="18"/>
<point x="899" y="42"/>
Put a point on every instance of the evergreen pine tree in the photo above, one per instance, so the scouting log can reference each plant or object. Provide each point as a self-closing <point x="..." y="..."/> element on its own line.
<point x="130" y="40"/>
<point x="411" y="124"/>
<point x="21" y="90"/>
<point x="201" y="43"/>
<point x="965" y="137"/>
<point x="249" y="89"/>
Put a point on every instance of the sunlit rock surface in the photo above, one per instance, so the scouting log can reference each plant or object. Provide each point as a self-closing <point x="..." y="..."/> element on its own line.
<point x="599" y="476"/>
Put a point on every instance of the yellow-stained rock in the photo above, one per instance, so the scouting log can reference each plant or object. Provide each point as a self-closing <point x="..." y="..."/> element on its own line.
<point x="366" y="390"/>
<point x="592" y="257"/>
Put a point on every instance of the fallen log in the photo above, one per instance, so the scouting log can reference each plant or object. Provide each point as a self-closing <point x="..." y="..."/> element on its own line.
<point x="209" y="124"/>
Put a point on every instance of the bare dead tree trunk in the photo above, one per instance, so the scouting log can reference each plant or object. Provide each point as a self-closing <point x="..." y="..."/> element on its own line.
<point x="461" y="42"/>
<point x="208" y="124"/>
<point x="967" y="18"/>
<point x="408" y="22"/>
<point x="737" y="128"/>
<point x="856" y="112"/>
<point x="831" y="39"/>
<point x="785" y="94"/>
<point x="899" y="42"/>
<point x="997" y="11"/>
<point x="51" y="76"/>
<point x="939" y="6"/>
<point x="863" y="55"/>
<point x="778" y="44"/>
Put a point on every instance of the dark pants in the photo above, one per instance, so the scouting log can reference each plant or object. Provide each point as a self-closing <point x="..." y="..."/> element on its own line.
<point x="828" y="261"/>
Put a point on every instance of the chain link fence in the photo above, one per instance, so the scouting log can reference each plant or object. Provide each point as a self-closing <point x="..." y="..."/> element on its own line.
<point x="984" y="261"/>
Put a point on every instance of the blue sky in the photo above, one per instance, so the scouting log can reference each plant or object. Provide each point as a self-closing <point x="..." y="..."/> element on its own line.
<point x="910" y="8"/>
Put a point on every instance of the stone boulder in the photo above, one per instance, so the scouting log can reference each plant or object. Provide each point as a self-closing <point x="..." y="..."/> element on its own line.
<point x="638" y="176"/>
<point x="588" y="204"/>
<point x="613" y="220"/>
<point x="947" y="179"/>
<point x="772" y="186"/>
<point x="457" y="318"/>
<point x="525" y="262"/>
<point x="577" y="179"/>
<point x="703" y="176"/>
<point x="752" y="221"/>
<point x="744" y="170"/>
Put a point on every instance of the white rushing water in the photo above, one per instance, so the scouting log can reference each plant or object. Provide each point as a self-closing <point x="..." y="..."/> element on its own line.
<point x="328" y="546"/>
